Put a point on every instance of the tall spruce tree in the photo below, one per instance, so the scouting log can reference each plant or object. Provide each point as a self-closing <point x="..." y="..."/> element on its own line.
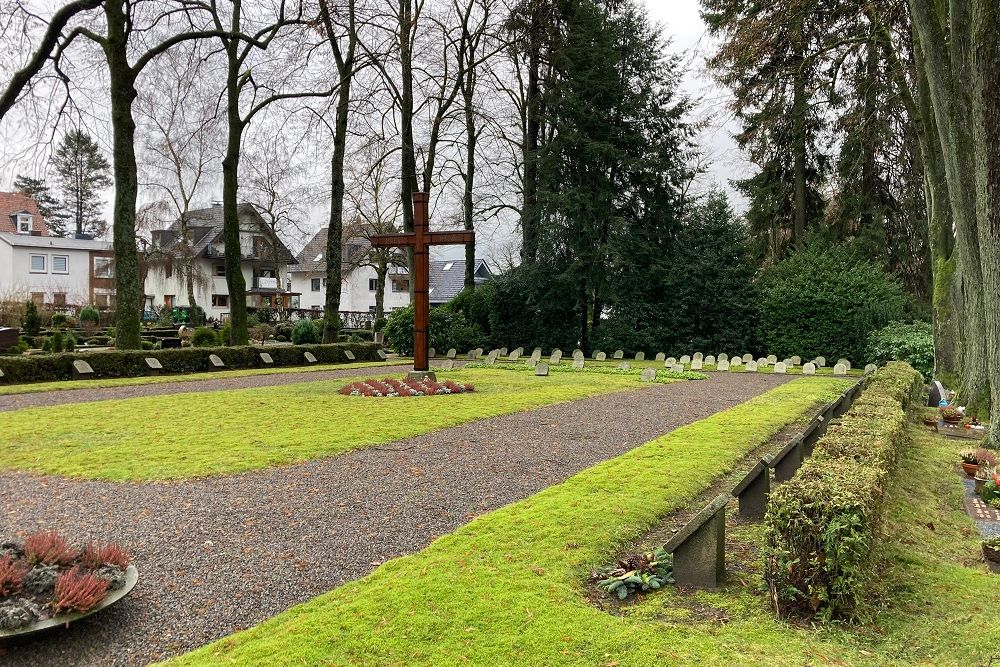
<point x="50" y="208"/>
<point x="82" y="172"/>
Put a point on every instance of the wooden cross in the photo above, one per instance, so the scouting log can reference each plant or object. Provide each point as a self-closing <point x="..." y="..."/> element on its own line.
<point x="421" y="239"/>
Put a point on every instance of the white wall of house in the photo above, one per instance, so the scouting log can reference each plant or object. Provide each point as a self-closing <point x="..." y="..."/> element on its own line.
<point x="357" y="293"/>
<point x="51" y="267"/>
<point x="210" y="289"/>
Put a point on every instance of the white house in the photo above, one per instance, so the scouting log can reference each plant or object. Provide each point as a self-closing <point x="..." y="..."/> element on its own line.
<point x="46" y="269"/>
<point x="264" y="263"/>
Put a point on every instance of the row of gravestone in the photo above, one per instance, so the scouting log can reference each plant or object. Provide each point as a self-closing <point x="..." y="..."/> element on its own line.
<point x="699" y="548"/>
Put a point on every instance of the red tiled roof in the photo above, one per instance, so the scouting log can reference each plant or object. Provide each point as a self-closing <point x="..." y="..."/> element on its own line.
<point x="15" y="202"/>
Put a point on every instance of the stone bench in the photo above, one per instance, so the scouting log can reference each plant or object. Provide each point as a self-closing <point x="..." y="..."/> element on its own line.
<point x="309" y="357"/>
<point x="153" y="366"/>
<point x="266" y="359"/>
<point x="699" y="548"/>
<point x="786" y="462"/>
<point x="753" y="490"/>
<point x="82" y="370"/>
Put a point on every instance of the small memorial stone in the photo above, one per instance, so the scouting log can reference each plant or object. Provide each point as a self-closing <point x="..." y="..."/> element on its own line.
<point x="623" y="366"/>
<point x="780" y="368"/>
<point x="452" y="353"/>
<point x="660" y="356"/>
<point x="541" y="368"/>
<point x="81" y="369"/>
<point x="648" y="375"/>
<point x="669" y="361"/>
<point x="696" y="364"/>
<point x="870" y="368"/>
<point x="531" y="362"/>
<point x="788" y="363"/>
<point x="520" y="351"/>
<point x="936" y="395"/>
<point x="809" y="368"/>
<point x="153" y="366"/>
<point x="578" y="363"/>
<point x="266" y="358"/>
<point x="556" y="356"/>
<point x="722" y="366"/>
<point x="619" y="354"/>
<point x="448" y="364"/>
<point x="600" y="356"/>
<point x="840" y="369"/>
<point x="431" y="353"/>
<point x="536" y="355"/>
<point x="309" y="357"/>
<point x="537" y="351"/>
<point x="699" y="356"/>
<point x="772" y="359"/>
<point x="350" y="355"/>
<point x="677" y="368"/>
<point x="710" y="360"/>
<point x="685" y="360"/>
<point x="471" y="356"/>
<point x="215" y="361"/>
<point x="640" y="356"/>
<point x="846" y="363"/>
<point x="723" y="357"/>
<point x="763" y="362"/>
<point x="736" y="362"/>
<point x="577" y="353"/>
<point x="479" y="352"/>
<point x="796" y="360"/>
<point x="503" y="351"/>
<point x="381" y="354"/>
<point x="751" y="367"/>
<point x="747" y="357"/>
<point x="820" y="362"/>
<point x="514" y="355"/>
<point x="491" y="358"/>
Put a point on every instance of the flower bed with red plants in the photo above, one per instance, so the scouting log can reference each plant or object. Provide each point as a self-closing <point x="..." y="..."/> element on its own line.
<point x="46" y="577"/>
<point x="393" y="387"/>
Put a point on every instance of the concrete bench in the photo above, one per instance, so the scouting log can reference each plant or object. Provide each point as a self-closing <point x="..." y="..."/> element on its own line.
<point x="215" y="362"/>
<point x="699" y="548"/>
<point x="82" y="370"/>
<point x="153" y="366"/>
<point x="786" y="462"/>
<point x="309" y="357"/>
<point x="266" y="359"/>
<point x="753" y="490"/>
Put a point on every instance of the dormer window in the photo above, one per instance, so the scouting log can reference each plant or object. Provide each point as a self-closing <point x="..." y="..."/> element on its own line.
<point x="25" y="223"/>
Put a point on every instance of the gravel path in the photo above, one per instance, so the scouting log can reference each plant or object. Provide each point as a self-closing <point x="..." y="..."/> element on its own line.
<point x="221" y="554"/>
<point x="63" y="396"/>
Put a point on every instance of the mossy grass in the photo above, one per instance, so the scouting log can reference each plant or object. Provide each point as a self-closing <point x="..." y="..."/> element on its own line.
<point x="219" y="432"/>
<point x="508" y="588"/>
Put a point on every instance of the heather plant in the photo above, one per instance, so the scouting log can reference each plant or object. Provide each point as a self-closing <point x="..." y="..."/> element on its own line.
<point x="48" y="548"/>
<point x="97" y="556"/>
<point x="12" y="574"/>
<point x="78" y="591"/>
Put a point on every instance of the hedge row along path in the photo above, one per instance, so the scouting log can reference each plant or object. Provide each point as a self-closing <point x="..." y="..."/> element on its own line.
<point x="221" y="554"/>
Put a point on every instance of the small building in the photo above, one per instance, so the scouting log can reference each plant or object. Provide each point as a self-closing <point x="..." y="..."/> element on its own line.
<point x="447" y="278"/>
<point x="49" y="270"/>
<point x="264" y="261"/>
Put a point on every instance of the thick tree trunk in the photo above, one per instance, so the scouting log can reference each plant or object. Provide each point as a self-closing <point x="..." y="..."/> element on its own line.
<point x="230" y="193"/>
<point x="533" y="126"/>
<point x="799" y="108"/>
<point x="470" y="181"/>
<point x="381" y="271"/>
<point x="128" y="287"/>
<point x="335" y="230"/>
<point x="408" y="159"/>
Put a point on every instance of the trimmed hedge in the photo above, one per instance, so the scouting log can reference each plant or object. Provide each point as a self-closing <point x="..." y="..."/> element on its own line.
<point x="821" y="526"/>
<point x="131" y="363"/>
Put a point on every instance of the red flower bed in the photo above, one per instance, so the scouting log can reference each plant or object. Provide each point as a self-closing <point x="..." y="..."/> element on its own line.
<point x="393" y="387"/>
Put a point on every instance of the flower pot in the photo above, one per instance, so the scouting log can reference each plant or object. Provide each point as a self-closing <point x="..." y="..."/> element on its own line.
<point x="970" y="469"/>
<point x="953" y="420"/>
<point x="930" y="421"/>
<point x="991" y="553"/>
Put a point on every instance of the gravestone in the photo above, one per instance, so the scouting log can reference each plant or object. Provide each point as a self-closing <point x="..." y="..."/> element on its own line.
<point x="153" y="366"/>
<point x="840" y="369"/>
<point x="937" y="394"/>
<point x="747" y="357"/>
<point x="448" y="365"/>
<point x="648" y="375"/>
<point x="82" y="370"/>
<point x="780" y="368"/>
<point x="623" y="366"/>
<point x="541" y="368"/>
<point x="471" y="356"/>
<point x="600" y="356"/>
<point x="699" y="356"/>
<point x="1" y="375"/>
<point x="381" y="354"/>
<point x="796" y="359"/>
<point x="266" y="358"/>
<point x="722" y="366"/>
<point x="640" y="356"/>
<point x="556" y="356"/>
<point x="870" y="368"/>
<point x="709" y="360"/>
<point x="669" y="361"/>
<point x="431" y="353"/>
<point x="309" y="357"/>
<point x="215" y="362"/>
<point x="503" y="351"/>
<point x="685" y="360"/>
<point x="350" y="355"/>
<point x="677" y="368"/>
<point x="452" y="353"/>
<point x="809" y="368"/>
<point x="772" y="359"/>
<point x="578" y="363"/>
<point x="479" y="352"/>
<point x="491" y="358"/>
<point x="379" y="337"/>
<point x="753" y="490"/>
<point x="820" y="362"/>
<point x="788" y="363"/>
<point x="763" y="362"/>
<point x="788" y="460"/>
<point x="736" y="362"/>
<point x="619" y="354"/>
<point x="696" y="364"/>
<point x="536" y="355"/>
<point x="845" y="362"/>
<point x="513" y="356"/>
<point x="530" y="363"/>
<point x="751" y="367"/>
<point x="520" y="351"/>
<point x="699" y="548"/>
<point x="577" y="353"/>
<point x="723" y="357"/>
<point x="660" y="356"/>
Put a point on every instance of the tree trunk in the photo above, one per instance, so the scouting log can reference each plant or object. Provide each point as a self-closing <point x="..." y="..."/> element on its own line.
<point x="381" y="271"/>
<point x="529" y="205"/>
<point x="128" y="288"/>
<point x="799" y="108"/>
<point x="230" y="192"/>
<point x="470" y="180"/>
<point x="408" y="159"/>
<point x="335" y="231"/>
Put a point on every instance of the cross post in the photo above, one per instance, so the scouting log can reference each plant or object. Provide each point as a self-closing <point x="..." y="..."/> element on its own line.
<point x="421" y="239"/>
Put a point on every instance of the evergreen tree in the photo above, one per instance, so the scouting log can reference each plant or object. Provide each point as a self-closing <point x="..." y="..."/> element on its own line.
<point x="83" y="172"/>
<point x="48" y="206"/>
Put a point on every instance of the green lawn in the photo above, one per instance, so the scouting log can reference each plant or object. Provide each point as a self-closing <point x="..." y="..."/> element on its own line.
<point x="62" y="385"/>
<point x="507" y="589"/>
<point x="210" y="433"/>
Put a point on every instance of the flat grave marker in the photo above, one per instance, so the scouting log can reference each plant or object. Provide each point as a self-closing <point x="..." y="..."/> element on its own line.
<point x="82" y="370"/>
<point x="215" y="362"/>
<point x="381" y="354"/>
<point x="309" y="357"/>
<point x="153" y="366"/>
<point x="699" y="548"/>
<point x="350" y="355"/>
<point x="623" y="366"/>
<point x="266" y="358"/>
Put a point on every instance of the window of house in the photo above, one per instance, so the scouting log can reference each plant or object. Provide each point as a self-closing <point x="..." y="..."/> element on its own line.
<point x="24" y="224"/>
<point x="372" y="284"/>
<point x="104" y="301"/>
<point x="103" y="268"/>
<point x="37" y="263"/>
<point x="168" y="300"/>
<point x="447" y="267"/>
<point x="59" y="298"/>
<point x="315" y="283"/>
<point x="38" y="298"/>
<point x="400" y="285"/>
<point x="220" y="270"/>
<point x="220" y="301"/>
<point x="60" y="264"/>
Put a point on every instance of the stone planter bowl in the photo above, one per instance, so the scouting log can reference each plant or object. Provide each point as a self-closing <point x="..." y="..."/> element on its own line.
<point x="970" y="469"/>
<point x="49" y="624"/>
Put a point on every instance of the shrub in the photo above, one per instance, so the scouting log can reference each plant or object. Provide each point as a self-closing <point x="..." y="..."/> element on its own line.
<point x="48" y="549"/>
<point x="446" y="329"/>
<point x="78" y="591"/>
<point x="11" y="576"/>
<point x="261" y="332"/>
<point x="31" y="323"/>
<point x="58" y="320"/>
<point x="306" y="332"/>
<point x="70" y="343"/>
<point x="898" y="341"/>
<point x="826" y="301"/>
<point x="89" y="315"/>
<point x="379" y="324"/>
<point x="97" y="556"/>
<point x="204" y="337"/>
<point x="56" y="341"/>
<point x="821" y="526"/>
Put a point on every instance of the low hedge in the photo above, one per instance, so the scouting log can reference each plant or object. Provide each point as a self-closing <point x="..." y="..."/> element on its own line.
<point x="821" y="526"/>
<point x="131" y="363"/>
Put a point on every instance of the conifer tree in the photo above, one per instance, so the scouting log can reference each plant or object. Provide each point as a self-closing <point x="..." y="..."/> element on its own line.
<point x="83" y="172"/>
<point x="50" y="208"/>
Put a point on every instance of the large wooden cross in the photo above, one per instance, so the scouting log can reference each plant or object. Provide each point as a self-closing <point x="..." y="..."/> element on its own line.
<point x="421" y="239"/>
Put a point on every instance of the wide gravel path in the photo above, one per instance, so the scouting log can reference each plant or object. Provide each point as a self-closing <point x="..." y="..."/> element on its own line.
<point x="63" y="396"/>
<point x="217" y="555"/>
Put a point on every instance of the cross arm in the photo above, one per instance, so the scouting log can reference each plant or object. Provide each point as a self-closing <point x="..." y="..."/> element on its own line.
<point x="450" y="238"/>
<point x="393" y="240"/>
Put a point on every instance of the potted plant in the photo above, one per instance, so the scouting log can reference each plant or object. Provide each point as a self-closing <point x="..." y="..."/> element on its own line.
<point x="970" y="462"/>
<point x="984" y="473"/>
<point x="930" y="421"/>
<point x="991" y="548"/>
<point x="951" y="415"/>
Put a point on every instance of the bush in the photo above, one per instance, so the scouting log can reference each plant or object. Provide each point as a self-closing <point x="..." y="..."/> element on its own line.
<point x="89" y="314"/>
<point x="446" y="329"/>
<point x="261" y="332"/>
<point x="826" y="301"/>
<point x="306" y="332"/>
<point x="32" y="323"/>
<point x="821" y="526"/>
<point x="70" y="343"/>
<point x="204" y="337"/>
<point x="59" y="320"/>
<point x="912" y="343"/>
<point x="56" y="342"/>
<point x="131" y="363"/>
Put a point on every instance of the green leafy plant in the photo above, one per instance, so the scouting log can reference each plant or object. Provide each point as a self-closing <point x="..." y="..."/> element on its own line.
<point x="899" y="341"/>
<point x="204" y="337"/>
<point x="59" y="320"/>
<point x="31" y="323"/>
<point x="637" y="573"/>
<point x="306" y="332"/>
<point x="89" y="317"/>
